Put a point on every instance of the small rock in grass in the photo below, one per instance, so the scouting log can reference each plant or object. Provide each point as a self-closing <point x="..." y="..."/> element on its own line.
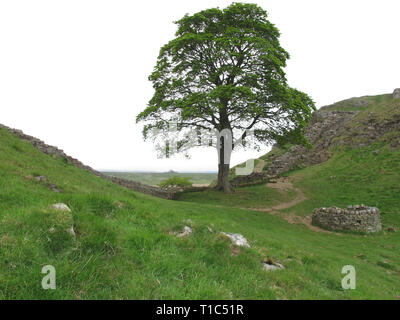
<point x="71" y="231"/>
<point x="272" y="266"/>
<point x="61" y="207"/>
<point x="185" y="232"/>
<point x="41" y="178"/>
<point x="237" y="239"/>
<point x="54" y="188"/>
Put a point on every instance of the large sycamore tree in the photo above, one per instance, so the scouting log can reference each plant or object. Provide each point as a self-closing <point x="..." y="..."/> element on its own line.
<point x="224" y="72"/>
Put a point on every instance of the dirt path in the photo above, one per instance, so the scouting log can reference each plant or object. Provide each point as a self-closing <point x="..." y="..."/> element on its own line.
<point x="283" y="184"/>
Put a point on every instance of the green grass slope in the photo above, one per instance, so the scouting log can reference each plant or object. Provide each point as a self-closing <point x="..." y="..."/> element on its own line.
<point x="368" y="175"/>
<point x="257" y="196"/>
<point x="124" y="247"/>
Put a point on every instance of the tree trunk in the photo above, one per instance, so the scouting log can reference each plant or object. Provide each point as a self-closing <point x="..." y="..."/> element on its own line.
<point x="223" y="178"/>
<point x="223" y="169"/>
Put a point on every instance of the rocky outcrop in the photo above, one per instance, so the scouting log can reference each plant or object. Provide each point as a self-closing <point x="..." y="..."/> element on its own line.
<point x="330" y="128"/>
<point x="320" y="132"/>
<point x="54" y="151"/>
<point x="355" y="218"/>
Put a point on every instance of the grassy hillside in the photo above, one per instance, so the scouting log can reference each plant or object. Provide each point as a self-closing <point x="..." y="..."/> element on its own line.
<point x="354" y="175"/>
<point x="375" y="117"/>
<point x="124" y="247"/>
<point x="359" y="103"/>
<point x="244" y="197"/>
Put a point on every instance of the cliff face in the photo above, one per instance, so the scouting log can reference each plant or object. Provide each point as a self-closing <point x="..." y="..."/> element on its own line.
<point x="355" y="123"/>
<point x="321" y="130"/>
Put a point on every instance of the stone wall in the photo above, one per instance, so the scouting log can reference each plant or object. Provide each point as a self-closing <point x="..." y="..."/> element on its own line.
<point x="353" y="218"/>
<point x="251" y="179"/>
<point x="143" y="188"/>
<point x="54" y="151"/>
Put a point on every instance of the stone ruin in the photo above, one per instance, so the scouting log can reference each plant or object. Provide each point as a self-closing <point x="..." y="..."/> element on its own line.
<point x="354" y="218"/>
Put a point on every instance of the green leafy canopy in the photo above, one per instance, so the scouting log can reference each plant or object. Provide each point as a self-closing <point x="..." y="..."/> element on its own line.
<point x="224" y="70"/>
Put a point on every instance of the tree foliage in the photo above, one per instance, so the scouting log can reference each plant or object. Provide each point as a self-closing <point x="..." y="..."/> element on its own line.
<point x="224" y="70"/>
<point x="176" y="181"/>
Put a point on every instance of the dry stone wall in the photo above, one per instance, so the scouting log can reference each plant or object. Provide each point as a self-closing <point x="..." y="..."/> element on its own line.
<point x="353" y="218"/>
<point x="251" y="179"/>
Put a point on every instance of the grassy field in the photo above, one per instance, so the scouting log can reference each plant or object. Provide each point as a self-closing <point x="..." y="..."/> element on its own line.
<point x="124" y="248"/>
<point x="358" y="176"/>
<point x="154" y="178"/>
<point x="257" y="196"/>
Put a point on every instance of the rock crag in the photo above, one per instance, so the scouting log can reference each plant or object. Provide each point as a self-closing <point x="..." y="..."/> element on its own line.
<point x="329" y="128"/>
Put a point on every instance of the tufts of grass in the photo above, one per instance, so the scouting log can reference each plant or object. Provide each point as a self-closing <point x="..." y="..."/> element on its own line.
<point x="123" y="248"/>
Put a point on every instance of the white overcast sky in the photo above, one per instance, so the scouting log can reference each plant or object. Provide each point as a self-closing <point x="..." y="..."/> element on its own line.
<point x="74" y="73"/>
